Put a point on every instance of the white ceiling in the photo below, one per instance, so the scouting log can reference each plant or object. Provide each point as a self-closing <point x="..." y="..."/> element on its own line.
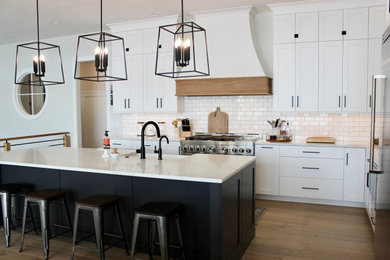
<point x="69" y="17"/>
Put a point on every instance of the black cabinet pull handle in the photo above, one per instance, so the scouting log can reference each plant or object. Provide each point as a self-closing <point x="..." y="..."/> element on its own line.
<point x="309" y="152"/>
<point x="309" y="188"/>
<point x="367" y="180"/>
<point x="125" y="102"/>
<point x="156" y="102"/>
<point x="343" y="32"/>
<point x="297" y="101"/>
<point x="128" y="102"/>
<point x="161" y="102"/>
<point x="347" y="160"/>
<point x="339" y="101"/>
<point x="310" y="168"/>
<point x="292" y="101"/>
<point x="116" y="144"/>
<point x="370" y="101"/>
<point x="345" y="101"/>
<point x="266" y="147"/>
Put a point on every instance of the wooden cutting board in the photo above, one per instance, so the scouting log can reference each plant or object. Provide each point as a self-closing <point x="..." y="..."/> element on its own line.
<point x="218" y="122"/>
<point x="324" y="140"/>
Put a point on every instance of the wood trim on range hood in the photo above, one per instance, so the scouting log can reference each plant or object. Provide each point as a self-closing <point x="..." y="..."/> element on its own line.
<point x="242" y="86"/>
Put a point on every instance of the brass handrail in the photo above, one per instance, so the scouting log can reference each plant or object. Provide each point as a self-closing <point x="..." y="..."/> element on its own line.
<point x="7" y="145"/>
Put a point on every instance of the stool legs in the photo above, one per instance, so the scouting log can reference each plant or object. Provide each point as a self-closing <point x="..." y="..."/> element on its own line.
<point x="134" y="237"/>
<point x="118" y="213"/>
<point x="76" y="221"/>
<point x="6" y="209"/>
<point x="152" y="234"/>
<point x="44" y="214"/>
<point x="99" y="231"/>
<point x="178" y="228"/>
<point x="163" y="236"/>
<point x="23" y="224"/>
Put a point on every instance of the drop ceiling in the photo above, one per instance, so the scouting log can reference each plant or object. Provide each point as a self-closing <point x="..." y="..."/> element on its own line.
<point x="69" y="17"/>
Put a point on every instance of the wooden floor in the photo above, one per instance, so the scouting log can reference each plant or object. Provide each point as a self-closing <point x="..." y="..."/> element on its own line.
<point x="288" y="231"/>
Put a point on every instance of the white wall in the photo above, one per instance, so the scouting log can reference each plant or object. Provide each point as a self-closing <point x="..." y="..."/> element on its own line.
<point x="58" y="116"/>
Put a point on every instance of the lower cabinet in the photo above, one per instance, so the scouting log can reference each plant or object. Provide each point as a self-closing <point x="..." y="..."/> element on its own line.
<point x="314" y="172"/>
<point x="267" y="169"/>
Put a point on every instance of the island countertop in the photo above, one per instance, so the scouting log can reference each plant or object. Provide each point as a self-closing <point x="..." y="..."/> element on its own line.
<point x="197" y="168"/>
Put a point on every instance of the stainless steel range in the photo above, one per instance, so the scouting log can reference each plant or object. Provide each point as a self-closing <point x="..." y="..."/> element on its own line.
<point x="230" y="144"/>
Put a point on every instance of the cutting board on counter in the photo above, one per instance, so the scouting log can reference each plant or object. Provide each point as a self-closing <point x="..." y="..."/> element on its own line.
<point x="218" y="122"/>
<point x="321" y="140"/>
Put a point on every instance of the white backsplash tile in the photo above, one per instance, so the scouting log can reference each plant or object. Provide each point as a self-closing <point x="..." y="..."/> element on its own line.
<point x="250" y="114"/>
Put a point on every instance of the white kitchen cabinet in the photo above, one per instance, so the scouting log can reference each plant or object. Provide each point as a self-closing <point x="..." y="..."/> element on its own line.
<point x="132" y="41"/>
<point x="377" y="21"/>
<point x="284" y="77"/>
<point x="149" y="37"/>
<point x="374" y="67"/>
<point x="356" y="23"/>
<point x="307" y="76"/>
<point x="267" y="170"/>
<point x="330" y="76"/>
<point x="128" y="95"/>
<point x="172" y="148"/>
<point x="330" y="25"/>
<point x="354" y="174"/>
<point x="306" y="27"/>
<point x="292" y="28"/>
<point x="284" y="28"/>
<point x="355" y="75"/>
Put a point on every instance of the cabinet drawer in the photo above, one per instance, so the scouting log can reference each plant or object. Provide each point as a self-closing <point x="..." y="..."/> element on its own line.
<point x="311" y="188"/>
<point x="312" y="152"/>
<point x="312" y="168"/>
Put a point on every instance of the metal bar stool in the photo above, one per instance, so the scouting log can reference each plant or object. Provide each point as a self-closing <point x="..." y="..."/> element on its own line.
<point x="43" y="198"/>
<point x="97" y="204"/>
<point x="158" y="213"/>
<point x="8" y="193"/>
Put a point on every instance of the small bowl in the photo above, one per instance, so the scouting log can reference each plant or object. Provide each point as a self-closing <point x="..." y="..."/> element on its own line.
<point x="115" y="155"/>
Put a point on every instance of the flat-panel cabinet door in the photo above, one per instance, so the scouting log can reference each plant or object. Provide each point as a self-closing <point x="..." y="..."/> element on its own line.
<point x="374" y="66"/>
<point x="330" y="76"/>
<point x="307" y="77"/>
<point x="356" y="23"/>
<point x="152" y="84"/>
<point x="135" y="83"/>
<point x="284" y="28"/>
<point x="330" y="25"/>
<point x="150" y="40"/>
<point x="168" y="100"/>
<point x="377" y="23"/>
<point x="306" y="27"/>
<point x="284" y="77"/>
<point x="267" y="170"/>
<point x="121" y="89"/>
<point x="134" y="42"/>
<point x="354" y="174"/>
<point x="355" y="76"/>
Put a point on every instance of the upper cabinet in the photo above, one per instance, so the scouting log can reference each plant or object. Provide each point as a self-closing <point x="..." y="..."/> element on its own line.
<point x="355" y="24"/>
<point x="325" y="66"/>
<point x="144" y="92"/>
<point x="293" y="28"/>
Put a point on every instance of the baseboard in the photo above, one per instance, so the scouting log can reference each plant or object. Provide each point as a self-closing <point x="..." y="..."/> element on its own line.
<point x="313" y="201"/>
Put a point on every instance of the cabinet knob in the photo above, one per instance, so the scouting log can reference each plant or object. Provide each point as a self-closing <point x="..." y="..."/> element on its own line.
<point x="127" y="49"/>
<point x="343" y="32"/>
<point x="296" y="36"/>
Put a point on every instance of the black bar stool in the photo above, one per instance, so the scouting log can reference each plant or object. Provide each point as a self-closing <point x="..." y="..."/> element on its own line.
<point x="8" y="194"/>
<point x="43" y="198"/>
<point x="158" y="213"/>
<point x="97" y="204"/>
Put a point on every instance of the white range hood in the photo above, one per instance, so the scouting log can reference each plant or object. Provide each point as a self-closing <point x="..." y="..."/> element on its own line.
<point x="231" y="42"/>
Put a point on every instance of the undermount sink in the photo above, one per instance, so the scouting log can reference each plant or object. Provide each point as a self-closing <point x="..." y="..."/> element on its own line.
<point x="154" y="156"/>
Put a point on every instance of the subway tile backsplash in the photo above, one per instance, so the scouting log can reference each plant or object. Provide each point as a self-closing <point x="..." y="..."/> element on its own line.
<point x="250" y="115"/>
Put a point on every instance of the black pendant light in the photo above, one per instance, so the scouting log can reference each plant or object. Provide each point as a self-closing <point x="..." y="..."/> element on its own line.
<point x="41" y="59"/>
<point x="107" y="52"/>
<point x="185" y="45"/>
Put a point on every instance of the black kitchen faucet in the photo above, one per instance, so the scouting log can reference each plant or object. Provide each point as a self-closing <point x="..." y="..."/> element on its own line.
<point x="142" y="149"/>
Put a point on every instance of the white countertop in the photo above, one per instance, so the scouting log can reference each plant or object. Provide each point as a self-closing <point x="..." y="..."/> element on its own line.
<point x="303" y="143"/>
<point x="198" y="167"/>
<point x="138" y="137"/>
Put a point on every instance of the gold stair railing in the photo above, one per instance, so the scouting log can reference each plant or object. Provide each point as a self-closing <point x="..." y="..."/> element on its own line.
<point x="5" y="143"/>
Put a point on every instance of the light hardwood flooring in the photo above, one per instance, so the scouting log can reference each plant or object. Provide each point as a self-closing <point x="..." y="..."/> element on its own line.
<point x="288" y="231"/>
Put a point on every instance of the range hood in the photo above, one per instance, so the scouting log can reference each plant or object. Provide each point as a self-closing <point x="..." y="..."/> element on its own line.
<point x="232" y="55"/>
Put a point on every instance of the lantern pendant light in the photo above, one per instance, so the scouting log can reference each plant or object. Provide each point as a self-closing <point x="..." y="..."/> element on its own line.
<point x="99" y="48"/>
<point x="41" y="59"/>
<point x="188" y="59"/>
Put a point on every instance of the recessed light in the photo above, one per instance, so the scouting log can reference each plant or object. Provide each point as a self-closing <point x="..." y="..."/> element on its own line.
<point x="56" y="22"/>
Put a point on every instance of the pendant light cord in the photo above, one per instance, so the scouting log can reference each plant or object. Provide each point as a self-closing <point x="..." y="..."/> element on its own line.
<point x="38" y="21"/>
<point x="101" y="16"/>
<point x="182" y="12"/>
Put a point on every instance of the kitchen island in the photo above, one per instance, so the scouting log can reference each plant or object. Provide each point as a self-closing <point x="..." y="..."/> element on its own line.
<point x="217" y="192"/>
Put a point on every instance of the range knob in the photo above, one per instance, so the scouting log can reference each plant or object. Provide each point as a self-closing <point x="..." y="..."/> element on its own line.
<point x="225" y="150"/>
<point x="192" y="148"/>
<point x="212" y="149"/>
<point x="234" y="150"/>
<point x="197" y="148"/>
<point x="184" y="148"/>
<point x="203" y="149"/>
<point x="241" y="150"/>
<point x="248" y="150"/>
